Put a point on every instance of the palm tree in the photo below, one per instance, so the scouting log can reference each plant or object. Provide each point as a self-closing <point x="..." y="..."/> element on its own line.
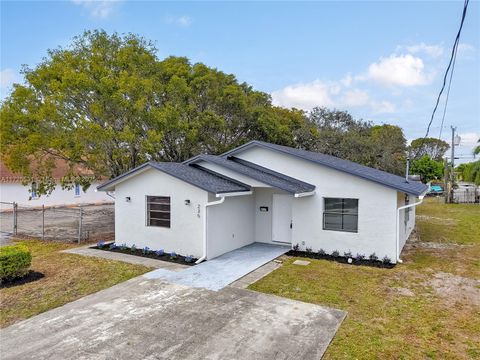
<point x="476" y="151"/>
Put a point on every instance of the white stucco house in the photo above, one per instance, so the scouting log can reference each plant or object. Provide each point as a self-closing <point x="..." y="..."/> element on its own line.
<point x="13" y="189"/>
<point x="262" y="192"/>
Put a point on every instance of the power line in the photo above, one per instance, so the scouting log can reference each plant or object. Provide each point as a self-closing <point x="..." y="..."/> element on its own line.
<point x="452" y="56"/>
<point x="448" y="92"/>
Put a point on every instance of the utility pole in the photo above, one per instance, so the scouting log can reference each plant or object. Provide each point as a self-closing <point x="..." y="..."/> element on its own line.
<point x="445" y="180"/>
<point x="455" y="142"/>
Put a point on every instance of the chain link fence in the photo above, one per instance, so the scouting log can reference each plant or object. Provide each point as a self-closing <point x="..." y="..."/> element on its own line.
<point x="79" y="223"/>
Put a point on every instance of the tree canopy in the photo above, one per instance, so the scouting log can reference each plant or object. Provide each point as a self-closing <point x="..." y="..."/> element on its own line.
<point x="106" y="103"/>
<point x="432" y="147"/>
<point x="469" y="172"/>
<point x="427" y="168"/>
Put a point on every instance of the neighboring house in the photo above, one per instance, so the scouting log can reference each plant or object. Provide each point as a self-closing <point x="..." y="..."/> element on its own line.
<point x="13" y="190"/>
<point x="261" y="192"/>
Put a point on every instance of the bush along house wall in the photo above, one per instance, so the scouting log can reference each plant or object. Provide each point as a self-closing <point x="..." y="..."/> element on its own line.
<point x="345" y="258"/>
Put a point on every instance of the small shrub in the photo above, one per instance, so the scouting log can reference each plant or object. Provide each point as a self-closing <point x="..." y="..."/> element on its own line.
<point x="189" y="258"/>
<point x="335" y="253"/>
<point x="360" y="257"/>
<point x="14" y="261"/>
<point x="347" y="254"/>
<point x="123" y="246"/>
<point x="386" y="260"/>
<point x="373" y="257"/>
<point x="296" y="247"/>
<point x="113" y="246"/>
<point x="101" y="244"/>
<point x="309" y="250"/>
<point x="321" y="252"/>
<point x="173" y="255"/>
<point x="159" y="252"/>
<point x="145" y="250"/>
<point x="133" y="248"/>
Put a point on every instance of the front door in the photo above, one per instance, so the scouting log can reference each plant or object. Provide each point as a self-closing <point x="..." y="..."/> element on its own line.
<point x="282" y="218"/>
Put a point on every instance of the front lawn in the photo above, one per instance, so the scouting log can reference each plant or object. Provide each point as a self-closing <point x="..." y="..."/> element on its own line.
<point x="67" y="277"/>
<point x="428" y="307"/>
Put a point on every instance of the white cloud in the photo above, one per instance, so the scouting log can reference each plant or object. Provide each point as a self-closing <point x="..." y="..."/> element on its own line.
<point x="304" y="96"/>
<point x="431" y="50"/>
<point x="355" y="97"/>
<point x="397" y="70"/>
<point x="7" y="78"/>
<point x="469" y="139"/>
<point x="381" y="107"/>
<point x="329" y="94"/>
<point x="465" y="50"/>
<point x="97" y="8"/>
<point x="182" y="21"/>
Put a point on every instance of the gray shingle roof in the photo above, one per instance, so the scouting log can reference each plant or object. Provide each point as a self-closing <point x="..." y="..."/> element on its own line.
<point x="259" y="173"/>
<point x="202" y="178"/>
<point x="365" y="172"/>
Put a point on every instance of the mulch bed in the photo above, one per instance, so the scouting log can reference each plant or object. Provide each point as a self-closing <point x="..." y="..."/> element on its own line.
<point x="31" y="276"/>
<point x="340" y="259"/>
<point x="179" y="259"/>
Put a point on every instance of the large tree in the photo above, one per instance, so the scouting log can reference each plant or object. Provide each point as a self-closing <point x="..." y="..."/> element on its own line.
<point x="427" y="168"/>
<point x="432" y="147"/>
<point x="337" y="133"/>
<point x="107" y="103"/>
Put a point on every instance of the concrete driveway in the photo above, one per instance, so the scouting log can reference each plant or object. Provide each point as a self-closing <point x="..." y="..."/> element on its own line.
<point x="152" y="319"/>
<point x="223" y="270"/>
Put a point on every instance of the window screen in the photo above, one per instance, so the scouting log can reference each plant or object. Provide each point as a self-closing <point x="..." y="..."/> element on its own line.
<point x="158" y="211"/>
<point x="340" y="214"/>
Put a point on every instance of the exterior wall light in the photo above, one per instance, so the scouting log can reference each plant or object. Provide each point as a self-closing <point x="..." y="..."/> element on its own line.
<point x="128" y="199"/>
<point x="187" y="202"/>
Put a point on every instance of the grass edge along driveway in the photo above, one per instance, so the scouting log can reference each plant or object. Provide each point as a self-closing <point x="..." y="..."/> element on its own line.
<point x="68" y="277"/>
<point x="425" y="308"/>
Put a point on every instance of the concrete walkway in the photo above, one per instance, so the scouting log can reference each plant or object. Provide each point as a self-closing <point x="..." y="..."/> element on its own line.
<point x="132" y="259"/>
<point x="221" y="271"/>
<point x="153" y="319"/>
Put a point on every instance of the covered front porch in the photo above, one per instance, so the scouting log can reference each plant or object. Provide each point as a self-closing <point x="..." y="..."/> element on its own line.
<point x="263" y="216"/>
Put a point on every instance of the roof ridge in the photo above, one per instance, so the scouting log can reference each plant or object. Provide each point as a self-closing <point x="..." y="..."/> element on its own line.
<point x="365" y="172"/>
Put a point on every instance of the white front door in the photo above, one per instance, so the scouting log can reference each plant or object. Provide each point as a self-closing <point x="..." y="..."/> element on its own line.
<point x="282" y="218"/>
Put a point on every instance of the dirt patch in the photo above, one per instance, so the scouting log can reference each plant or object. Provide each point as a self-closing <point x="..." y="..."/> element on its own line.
<point x="414" y="242"/>
<point x="443" y="221"/>
<point x="456" y="288"/>
<point x="402" y="291"/>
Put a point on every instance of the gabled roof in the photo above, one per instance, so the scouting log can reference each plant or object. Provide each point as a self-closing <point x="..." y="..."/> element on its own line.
<point x="257" y="172"/>
<point x="381" y="177"/>
<point x="201" y="178"/>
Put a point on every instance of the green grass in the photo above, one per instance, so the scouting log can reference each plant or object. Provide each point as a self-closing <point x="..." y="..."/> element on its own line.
<point x="67" y="277"/>
<point x="382" y="324"/>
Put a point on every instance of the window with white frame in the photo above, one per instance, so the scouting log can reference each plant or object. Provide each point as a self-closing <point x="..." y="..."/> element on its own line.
<point x="77" y="189"/>
<point x="340" y="214"/>
<point x="33" y="191"/>
<point x="158" y="211"/>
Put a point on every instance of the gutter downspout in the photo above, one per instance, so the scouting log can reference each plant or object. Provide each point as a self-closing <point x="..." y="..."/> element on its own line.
<point x="398" y="225"/>
<point x="212" y="203"/>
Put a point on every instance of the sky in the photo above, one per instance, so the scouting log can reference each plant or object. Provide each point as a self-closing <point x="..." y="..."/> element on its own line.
<point x="382" y="61"/>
